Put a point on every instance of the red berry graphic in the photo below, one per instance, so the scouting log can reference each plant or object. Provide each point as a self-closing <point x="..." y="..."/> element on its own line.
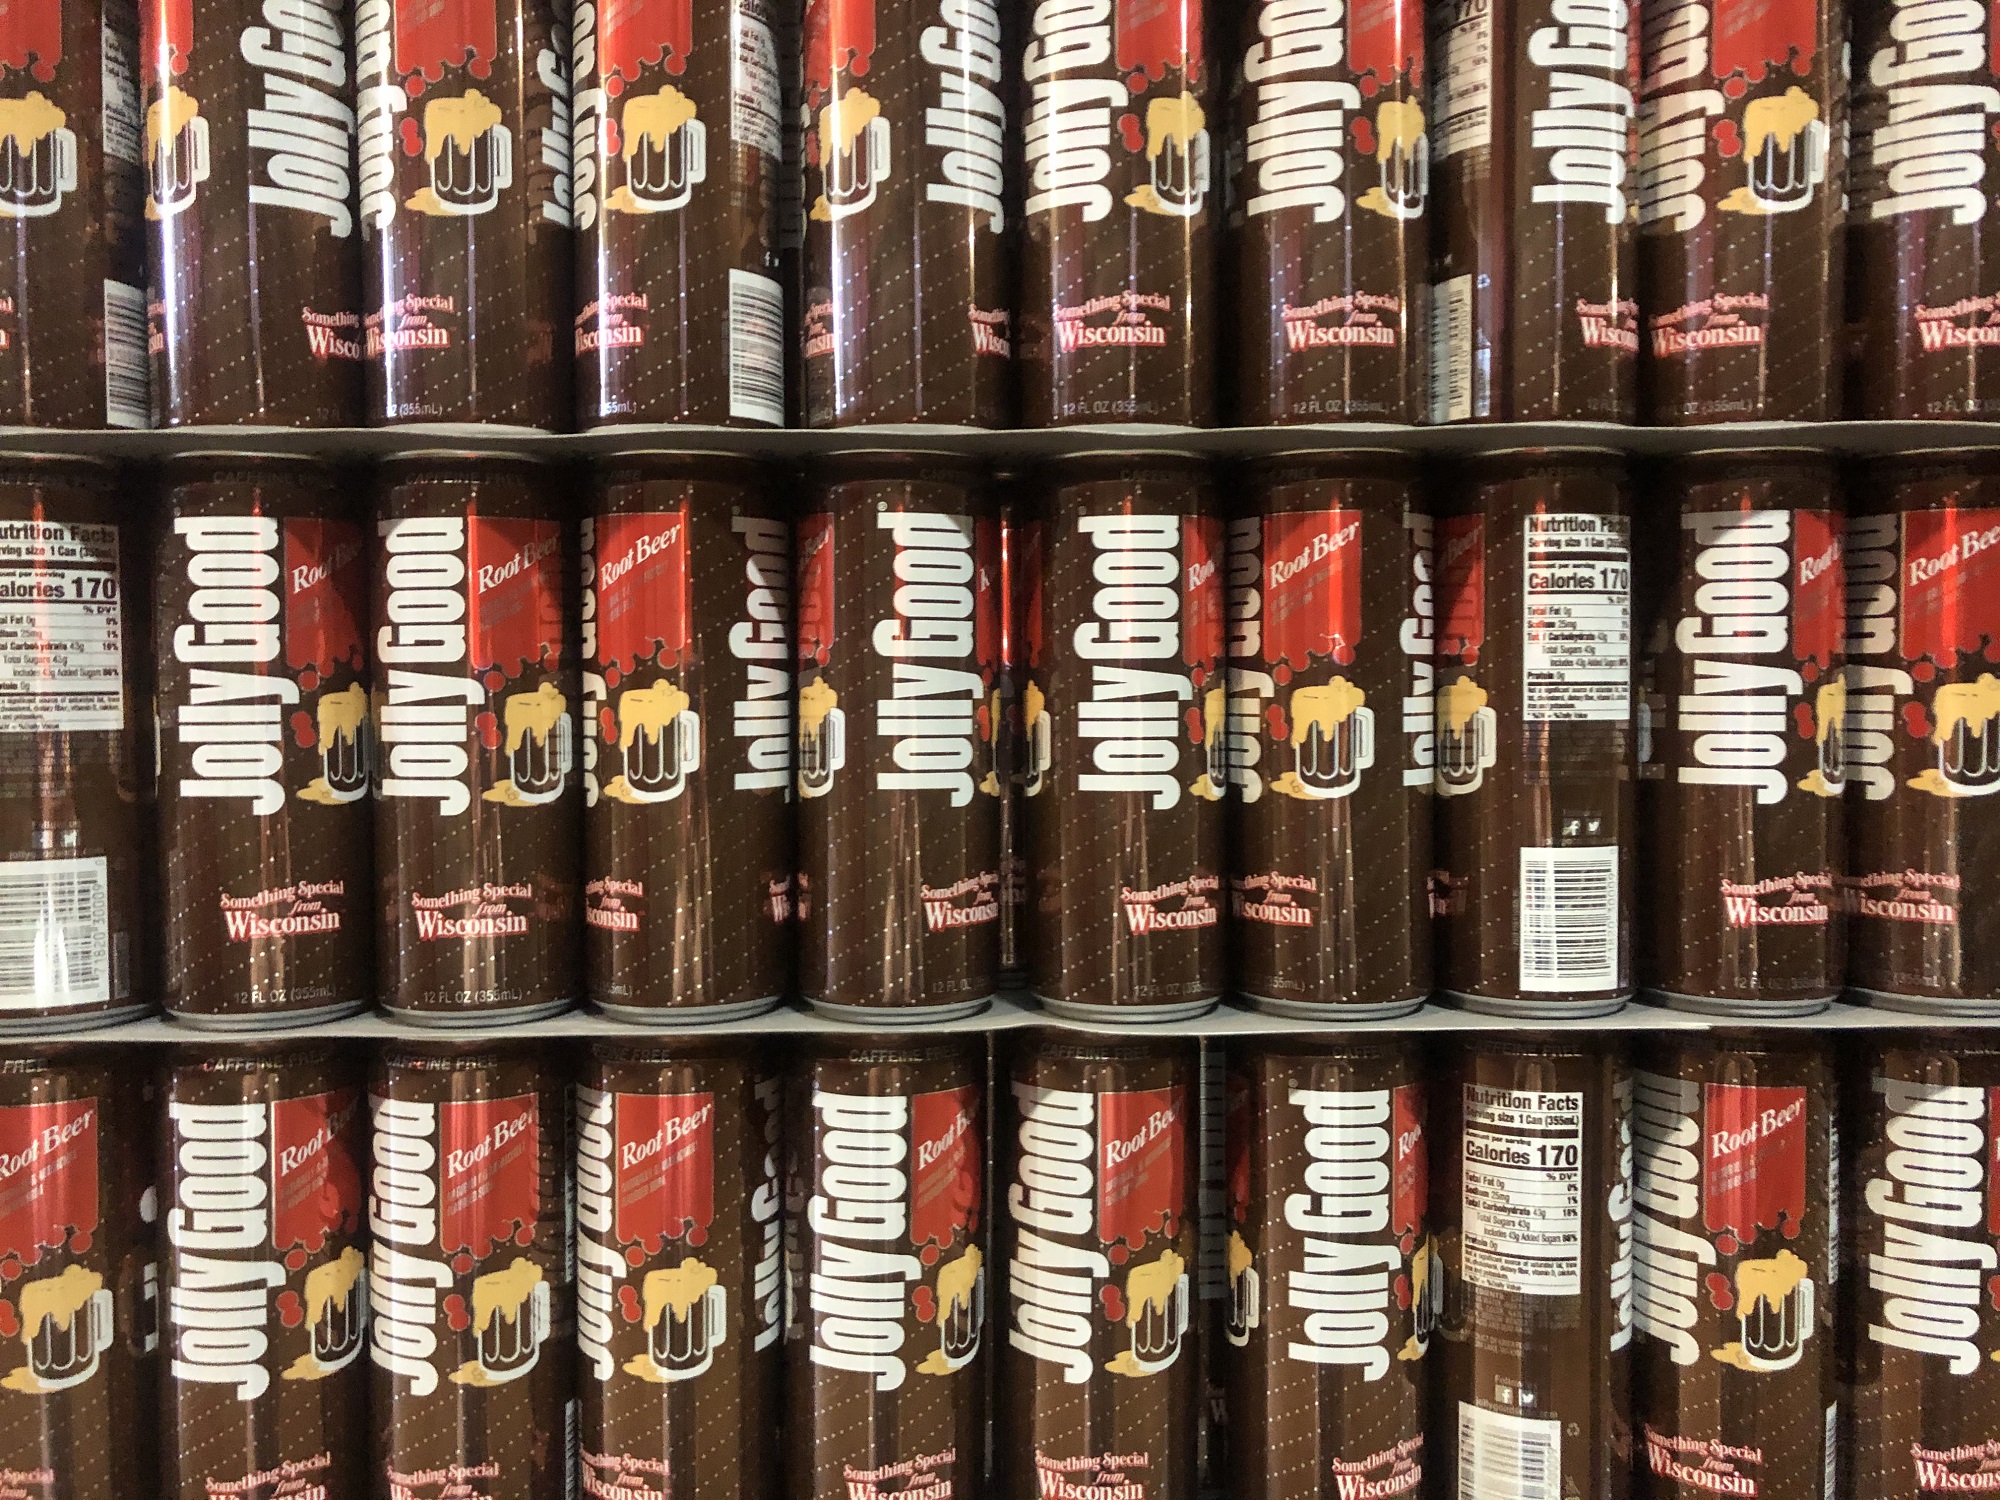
<point x="628" y="1304"/>
<point x="10" y="1324"/>
<point x="697" y="1236"/>
<point x="524" y="1236"/>
<point x="928" y="1255"/>
<point x="1718" y="1290"/>
<point x="924" y="1300"/>
<point x="1725" y="1244"/>
<point x="1119" y="1254"/>
<point x="295" y="1261"/>
<point x="455" y="1313"/>
<point x="1114" y="1303"/>
<point x="291" y="1311"/>
<point x="489" y="731"/>
<point x="634" y="1256"/>
<point x="462" y="1262"/>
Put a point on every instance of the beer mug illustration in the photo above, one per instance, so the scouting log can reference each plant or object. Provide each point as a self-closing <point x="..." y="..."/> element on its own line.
<point x="1246" y="1310"/>
<point x="1403" y="156"/>
<point x="337" y="1307"/>
<point x="659" y="737"/>
<point x="470" y="155"/>
<point x="38" y="156"/>
<point x="686" y="1320"/>
<point x="1784" y="151"/>
<point x="1966" y="716"/>
<point x="1177" y="155"/>
<point x="346" y="745"/>
<point x="1774" y="1310"/>
<point x="510" y="1314"/>
<point x="853" y="154"/>
<point x="538" y="744"/>
<point x="1333" y="738"/>
<point x="665" y="152"/>
<point x="176" y="153"/>
<point x="822" y="738"/>
<point x="1036" y="758"/>
<point x="961" y="1304"/>
<point x="66" y="1325"/>
<point x="1467" y="732"/>
<point x="1156" y="1315"/>
<point x="1426" y="1291"/>
<point x="1828" y="777"/>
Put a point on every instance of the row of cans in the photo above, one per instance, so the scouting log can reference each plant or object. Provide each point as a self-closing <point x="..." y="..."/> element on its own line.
<point x="338" y="213"/>
<point x="1281" y="1270"/>
<point x="1331" y="748"/>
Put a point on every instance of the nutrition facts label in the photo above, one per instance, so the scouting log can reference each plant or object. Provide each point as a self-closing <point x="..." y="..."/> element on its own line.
<point x="1576" y="619"/>
<point x="1463" y="101"/>
<point x="755" y="108"/>
<point x="1524" y="1191"/>
<point x="61" y="629"/>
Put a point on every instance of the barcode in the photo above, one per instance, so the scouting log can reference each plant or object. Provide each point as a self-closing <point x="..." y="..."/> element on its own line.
<point x="1451" y="350"/>
<point x="1503" y="1457"/>
<point x="756" y="348"/>
<point x="125" y="403"/>
<point x="54" y="917"/>
<point x="1569" y="919"/>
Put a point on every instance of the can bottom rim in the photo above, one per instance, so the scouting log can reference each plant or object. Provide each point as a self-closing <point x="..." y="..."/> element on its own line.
<point x="1736" y="1006"/>
<point x="470" y="1020"/>
<point x="1937" y="1005"/>
<point x="1535" y="1010"/>
<point x="901" y="1015"/>
<point x="61" y="1022"/>
<point x="267" y="1021"/>
<point x="1128" y="1015"/>
<point x="1334" y="1010"/>
<point x="670" y="1016"/>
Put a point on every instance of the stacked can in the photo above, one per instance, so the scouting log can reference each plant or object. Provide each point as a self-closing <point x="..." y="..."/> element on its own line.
<point x="1743" y="732"/>
<point x="899" y="769"/>
<point x="1534" y="743"/>
<point x="1126" y="756"/>
<point x="1330" y="637"/>
<point x="687" y="741"/>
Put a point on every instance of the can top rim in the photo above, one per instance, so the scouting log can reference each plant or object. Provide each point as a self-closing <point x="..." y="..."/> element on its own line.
<point x="1752" y="455"/>
<point x="42" y="456"/>
<point x="1554" y="450"/>
<point x="464" y="455"/>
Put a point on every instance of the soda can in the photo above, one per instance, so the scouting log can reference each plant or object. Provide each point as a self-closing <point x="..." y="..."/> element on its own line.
<point x="899" y="729"/>
<point x="687" y="896"/>
<point x="1330" y="638"/>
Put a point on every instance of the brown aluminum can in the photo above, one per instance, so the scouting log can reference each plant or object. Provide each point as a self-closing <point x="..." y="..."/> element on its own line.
<point x="1743" y="701"/>
<point x="1742" y="167"/>
<point x="464" y="144"/>
<point x="1329" y="1167"/>
<point x="678" y="142"/>
<point x="76" y="852"/>
<point x="1923" y="291"/>
<point x="261" y="1157"/>
<point x="1735" y="1180"/>
<point x="260" y="593"/>
<point x="1329" y="163"/>
<point x="1100" y="1381"/>
<point x="254" y="304"/>
<point x="1922" y="1374"/>
<point x="679" y="1299"/>
<point x="906" y="133"/>
<point x="1534" y="744"/>
<point x="1126" y="759"/>
<point x="898" y="756"/>
<point x="73" y="295"/>
<point x="1123" y="203"/>
<point x="1534" y="1235"/>
<point x="1533" y="316"/>
<point x="687" y="793"/>
<point x="1923" y="751"/>
<point x="478" y="812"/>
<point x="886" y="1375"/>
<point x="472" y="1333"/>
<point x="1330" y="639"/>
<point x="79" y="1284"/>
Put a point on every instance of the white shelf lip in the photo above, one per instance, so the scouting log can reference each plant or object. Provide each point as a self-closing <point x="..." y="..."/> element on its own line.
<point x="1018" y="444"/>
<point x="1012" y="1011"/>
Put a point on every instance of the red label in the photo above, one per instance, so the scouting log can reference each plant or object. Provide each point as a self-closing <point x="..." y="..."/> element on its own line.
<point x="1312" y="587"/>
<point x="1754" y="1148"/>
<point x="839" y="38"/>
<point x="514" y="585"/>
<point x="642" y="588"/>
<point x="1030" y="552"/>
<point x="1201" y="597"/>
<point x="48" y="1176"/>
<point x="164" y="25"/>
<point x="315" y="1169"/>
<point x="1386" y="37"/>
<point x="1951" y="584"/>
<point x="815" y="543"/>
<point x="432" y="35"/>
<point x="987" y="595"/>
<point x="1411" y="1162"/>
<point x="326" y="589"/>
<point x="1756" y="39"/>
<point x="1819" y="587"/>
<point x="1461" y="596"/>
<point x="489" y="1165"/>
<point x="1155" y="35"/>
<point x="665" y="1184"/>
<point x="32" y="29"/>
<point x="1236" y="1148"/>
<point x="635" y="34"/>
<point x="946" y="1164"/>
<point x="1141" y="1164"/>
